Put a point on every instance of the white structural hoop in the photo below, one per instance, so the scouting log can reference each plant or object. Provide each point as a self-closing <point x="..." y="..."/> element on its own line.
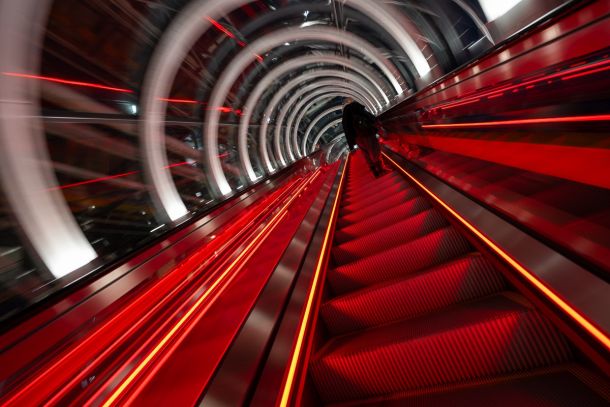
<point x="394" y="23"/>
<point x="333" y="143"/>
<point x="316" y="88"/>
<point x="247" y="111"/>
<point x="267" y="116"/>
<point x="25" y="171"/>
<point x="248" y="55"/>
<point x="298" y="113"/>
<point x="173" y="47"/>
<point x="324" y="130"/>
<point x="332" y="93"/>
<point x="315" y="121"/>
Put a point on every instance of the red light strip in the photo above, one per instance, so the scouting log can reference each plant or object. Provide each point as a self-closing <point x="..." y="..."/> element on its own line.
<point x="289" y="384"/>
<point x="570" y="119"/>
<point x="467" y="102"/>
<point x="581" y="320"/>
<point x="67" y="82"/>
<point x="109" y="177"/>
<point x="93" y="181"/>
<point x="224" y="30"/>
<point x="581" y="68"/>
<point x="172" y="333"/>
<point x="231" y="35"/>
<point x="41" y="377"/>
<point x="578" y="75"/>
<point x="167" y="354"/>
<point x="223" y="109"/>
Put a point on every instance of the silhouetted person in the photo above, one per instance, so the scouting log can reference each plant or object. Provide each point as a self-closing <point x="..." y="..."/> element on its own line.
<point x="360" y="129"/>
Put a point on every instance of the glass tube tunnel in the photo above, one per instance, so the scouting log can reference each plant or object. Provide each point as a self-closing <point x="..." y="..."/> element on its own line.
<point x="184" y="223"/>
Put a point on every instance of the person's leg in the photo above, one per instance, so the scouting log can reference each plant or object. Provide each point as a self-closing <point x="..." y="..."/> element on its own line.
<point x="375" y="156"/>
<point x="366" y="148"/>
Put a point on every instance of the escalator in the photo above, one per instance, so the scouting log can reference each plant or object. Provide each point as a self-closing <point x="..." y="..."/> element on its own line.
<point x="415" y="315"/>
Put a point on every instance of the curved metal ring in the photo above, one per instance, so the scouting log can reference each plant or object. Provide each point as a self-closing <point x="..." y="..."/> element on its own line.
<point x="315" y="121"/>
<point x="247" y="111"/>
<point x="248" y="55"/>
<point x="317" y="85"/>
<point x="180" y="37"/>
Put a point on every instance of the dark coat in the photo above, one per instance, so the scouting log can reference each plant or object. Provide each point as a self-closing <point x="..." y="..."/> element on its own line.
<point x="357" y="122"/>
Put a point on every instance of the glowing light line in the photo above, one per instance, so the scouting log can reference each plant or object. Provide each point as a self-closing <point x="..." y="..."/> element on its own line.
<point x="312" y="291"/>
<point x="110" y="177"/>
<point x="581" y="320"/>
<point x="544" y="120"/>
<point x="231" y="35"/>
<point x="189" y="101"/>
<point x="66" y="82"/>
<point x="246" y="251"/>
<point x="587" y="68"/>
<point x="125" y="334"/>
<point x="578" y="75"/>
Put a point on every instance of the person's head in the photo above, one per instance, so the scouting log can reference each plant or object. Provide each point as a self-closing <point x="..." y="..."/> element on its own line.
<point x="347" y="101"/>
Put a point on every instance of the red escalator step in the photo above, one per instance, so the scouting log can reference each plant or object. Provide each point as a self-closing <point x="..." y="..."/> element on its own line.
<point x="428" y="251"/>
<point x="381" y="220"/>
<point x="393" y="235"/>
<point x="460" y="280"/>
<point x="380" y="206"/>
<point x="378" y="195"/>
<point x="356" y="192"/>
<point x="370" y="198"/>
<point x="491" y="337"/>
<point x="565" y="386"/>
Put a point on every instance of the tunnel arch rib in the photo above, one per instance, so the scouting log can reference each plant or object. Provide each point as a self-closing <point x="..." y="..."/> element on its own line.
<point x="248" y="109"/>
<point x="181" y="35"/>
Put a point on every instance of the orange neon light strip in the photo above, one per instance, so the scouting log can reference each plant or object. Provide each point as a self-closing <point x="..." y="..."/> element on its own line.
<point x="146" y="361"/>
<point x="312" y="291"/>
<point x="543" y="120"/>
<point x="588" y="326"/>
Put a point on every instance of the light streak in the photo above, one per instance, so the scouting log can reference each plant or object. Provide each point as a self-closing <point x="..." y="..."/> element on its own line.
<point x="172" y="333"/>
<point x="581" y="320"/>
<point x="563" y="75"/>
<point x="229" y="34"/>
<point x="110" y="177"/>
<point x="66" y="82"/>
<point x="288" y="385"/>
<point x="543" y="120"/>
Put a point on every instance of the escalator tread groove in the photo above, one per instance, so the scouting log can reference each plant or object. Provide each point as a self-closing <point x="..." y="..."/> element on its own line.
<point x="416" y="316"/>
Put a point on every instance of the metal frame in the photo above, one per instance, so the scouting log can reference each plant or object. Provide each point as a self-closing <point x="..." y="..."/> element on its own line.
<point x="248" y="55"/>
<point x="25" y="169"/>
<point x="297" y="114"/>
<point x="318" y="89"/>
<point x="266" y="118"/>
<point x="324" y="130"/>
<point x="247" y="111"/>
<point x="315" y="121"/>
